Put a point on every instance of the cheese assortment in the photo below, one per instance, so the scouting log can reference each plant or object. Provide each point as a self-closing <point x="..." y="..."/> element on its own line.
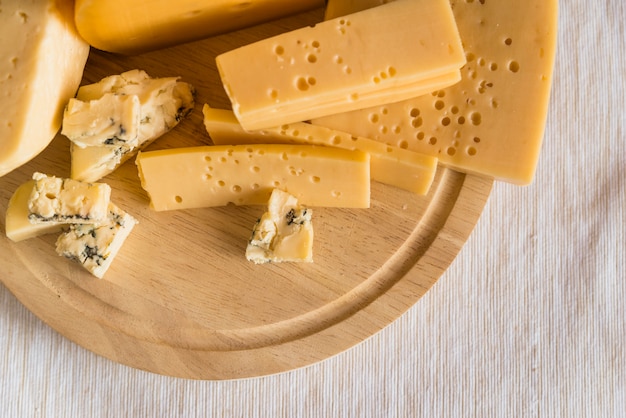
<point x="42" y="59"/>
<point x="163" y="103"/>
<point x="217" y="175"/>
<point x="282" y="234"/>
<point x="134" y="26"/>
<point x="391" y="165"/>
<point x="492" y="121"/>
<point x="342" y="64"/>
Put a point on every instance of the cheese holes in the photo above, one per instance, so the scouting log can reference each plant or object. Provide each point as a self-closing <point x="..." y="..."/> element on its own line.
<point x="303" y="83"/>
<point x="178" y="199"/>
<point x="315" y="179"/>
<point x="312" y="58"/>
<point x="476" y="118"/>
<point x="514" y="66"/>
<point x="335" y="140"/>
<point x="471" y="151"/>
<point x="279" y="50"/>
<point x="236" y="188"/>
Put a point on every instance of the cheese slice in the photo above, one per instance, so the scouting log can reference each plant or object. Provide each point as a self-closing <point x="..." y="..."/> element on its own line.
<point x="42" y="58"/>
<point x="96" y="246"/>
<point x="207" y="176"/>
<point x="134" y="26"/>
<point x="18" y="225"/>
<point x="380" y="55"/>
<point x="283" y="234"/>
<point x="390" y="165"/>
<point x="163" y="103"/>
<point x="61" y="200"/>
<point x="492" y="121"/>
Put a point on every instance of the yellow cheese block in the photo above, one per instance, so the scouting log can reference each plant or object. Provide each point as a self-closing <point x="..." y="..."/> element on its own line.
<point x="390" y="165"/>
<point x="374" y="56"/>
<point x="133" y="26"/>
<point x="208" y="176"/>
<point x="492" y="122"/>
<point x="42" y="59"/>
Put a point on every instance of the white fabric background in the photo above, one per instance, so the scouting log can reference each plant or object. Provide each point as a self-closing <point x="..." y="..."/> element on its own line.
<point x="529" y="321"/>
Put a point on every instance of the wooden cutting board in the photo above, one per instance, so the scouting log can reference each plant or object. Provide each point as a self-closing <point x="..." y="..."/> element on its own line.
<point x="181" y="299"/>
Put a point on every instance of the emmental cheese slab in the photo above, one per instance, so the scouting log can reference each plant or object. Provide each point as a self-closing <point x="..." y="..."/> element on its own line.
<point x="390" y="165"/>
<point x="492" y="121"/>
<point x="42" y="59"/>
<point x="373" y="56"/>
<point x="207" y="176"/>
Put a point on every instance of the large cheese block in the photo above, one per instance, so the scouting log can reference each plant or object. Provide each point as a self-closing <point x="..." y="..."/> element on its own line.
<point x="132" y="26"/>
<point x="492" y="121"/>
<point x="390" y="165"/>
<point x="206" y="176"/>
<point x="42" y="58"/>
<point x="369" y="57"/>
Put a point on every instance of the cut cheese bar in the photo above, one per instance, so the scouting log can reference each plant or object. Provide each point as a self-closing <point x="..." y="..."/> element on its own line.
<point x="42" y="59"/>
<point x="133" y="26"/>
<point x="95" y="246"/>
<point x="390" y="165"/>
<point x="374" y="56"/>
<point x="492" y="121"/>
<point x="207" y="176"/>
<point x="284" y="233"/>
<point x="60" y="200"/>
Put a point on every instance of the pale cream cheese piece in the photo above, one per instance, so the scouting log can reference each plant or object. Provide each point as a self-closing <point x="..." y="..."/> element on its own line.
<point x="96" y="246"/>
<point x="42" y="59"/>
<point x="284" y="233"/>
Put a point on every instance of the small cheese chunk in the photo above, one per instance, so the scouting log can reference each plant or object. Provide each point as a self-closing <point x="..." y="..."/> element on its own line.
<point x="42" y="59"/>
<point x="246" y="175"/>
<point x="112" y="119"/>
<point x="164" y="102"/>
<point x="370" y="57"/>
<point x="60" y="200"/>
<point x="394" y="166"/>
<point x="95" y="246"/>
<point x="18" y="225"/>
<point x="283" y="233"/>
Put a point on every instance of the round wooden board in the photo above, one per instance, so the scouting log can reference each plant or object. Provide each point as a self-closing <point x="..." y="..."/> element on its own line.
<point x="181" y="299"/>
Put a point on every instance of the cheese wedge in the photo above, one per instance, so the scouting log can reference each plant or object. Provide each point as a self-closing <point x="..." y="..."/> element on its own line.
<point x="374" y="56"/>
<point x="133" y="26"/>
<point x="282" y="234"/>
<point x="208" y="176"/>
<point x="391" y="165"/>
<point x="492" y="121"/>
<point x="42" y="59"/>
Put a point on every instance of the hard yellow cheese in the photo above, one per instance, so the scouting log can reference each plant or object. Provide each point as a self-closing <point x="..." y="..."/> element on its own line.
<point x="492" y="122"/>
<point x="373" y="56"/>
<point x="207" y="176"/>
<point x="42" y="58"/>
<point x="390" y="165"/>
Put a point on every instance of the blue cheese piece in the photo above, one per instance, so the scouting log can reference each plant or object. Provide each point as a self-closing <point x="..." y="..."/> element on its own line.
<point x="163" y="103"/>
<point x="63" y="200"/>
<point x="95" y="246"/>
<point x="113" y="119"/>
<point x="283" y="233"/>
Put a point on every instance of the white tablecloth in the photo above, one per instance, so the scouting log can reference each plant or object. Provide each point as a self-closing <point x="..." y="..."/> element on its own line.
<point x="528" y="321"/>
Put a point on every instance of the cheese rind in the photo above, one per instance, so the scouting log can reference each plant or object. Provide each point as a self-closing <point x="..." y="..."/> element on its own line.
<point x="42" y="59"/>
<point x="327" y="68"/>
<point x="246" y="175"/>
<point x="96" y="246"/>
<point x="283" y="234"/>
<point x="391" y="165"/>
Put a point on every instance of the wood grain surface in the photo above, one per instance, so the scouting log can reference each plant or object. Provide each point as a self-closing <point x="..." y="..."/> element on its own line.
<point x="181" y="299"/>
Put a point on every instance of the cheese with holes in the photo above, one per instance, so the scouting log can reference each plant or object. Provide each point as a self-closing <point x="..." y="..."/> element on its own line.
<point x="18" y="225"/>
<point x="133" y="26"/>
<point x="217" y="175"/>
<point x="391" y="165"/>
<point x="42" y="59"/>
<point x="491" y="122"/>
<point x="163" y="103"/>
<point x="368" y="57"/>
<point x="64" y="200"/>
<point x="282" y="234"/>
<point x="96" y="246"/>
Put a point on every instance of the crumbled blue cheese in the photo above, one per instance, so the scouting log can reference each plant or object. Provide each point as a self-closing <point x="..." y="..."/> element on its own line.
<point x="95" y="246"/>
<point x="62" y="200"/>
<point x="283" y="233"/>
